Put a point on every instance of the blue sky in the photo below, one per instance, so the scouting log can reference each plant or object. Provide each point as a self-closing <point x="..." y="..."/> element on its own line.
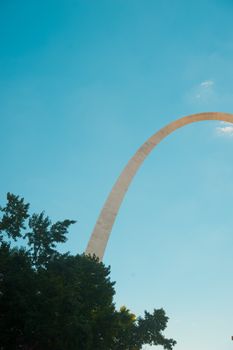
<point x="82" y="85"/>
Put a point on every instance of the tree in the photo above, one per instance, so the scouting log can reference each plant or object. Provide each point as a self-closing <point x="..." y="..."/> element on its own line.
<point x="14" y="215"/>
<point x="133" y="332"/>
<point x="50" y="300"/>
<point x="61" y="306"/>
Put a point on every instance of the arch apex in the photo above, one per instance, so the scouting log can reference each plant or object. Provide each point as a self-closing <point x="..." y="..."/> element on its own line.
<point x="102" y="230"/>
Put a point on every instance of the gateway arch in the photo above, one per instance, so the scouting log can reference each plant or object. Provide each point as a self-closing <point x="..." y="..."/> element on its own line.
<point x="102" y="230"/>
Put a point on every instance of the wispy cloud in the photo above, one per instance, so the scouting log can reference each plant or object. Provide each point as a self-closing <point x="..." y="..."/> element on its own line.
<point x="204" y="90"/>
<point x="207" y="84"/>
<point x="225" y="129"/>
<point x="202" y="93"/>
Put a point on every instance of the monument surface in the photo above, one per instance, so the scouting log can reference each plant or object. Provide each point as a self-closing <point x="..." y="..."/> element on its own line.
<point x="103" y="227"/>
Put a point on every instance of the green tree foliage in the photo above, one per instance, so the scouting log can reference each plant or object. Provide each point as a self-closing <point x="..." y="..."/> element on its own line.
<point x="133" y="332"/>
<point x="42" y="236"/>
<point x="58" y="301"/>
<point x="14" y="215"/>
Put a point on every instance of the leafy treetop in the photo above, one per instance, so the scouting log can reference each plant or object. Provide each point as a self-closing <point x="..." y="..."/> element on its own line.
<point x="54" y="301"/>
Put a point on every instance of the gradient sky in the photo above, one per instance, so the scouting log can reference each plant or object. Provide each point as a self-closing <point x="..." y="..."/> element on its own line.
<point x="83" y="83"/>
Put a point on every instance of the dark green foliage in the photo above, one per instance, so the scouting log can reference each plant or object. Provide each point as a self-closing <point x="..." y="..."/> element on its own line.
<point x="52" y="308"/>
<point x="150" y="328"/>
<point x="17" y="296"/>
<point x="14" y="215"/>
<point x="53" y="301"/>
<point x="126" y="337"/>
<point x="132" y="332"/>
<point x="42" y="236"/>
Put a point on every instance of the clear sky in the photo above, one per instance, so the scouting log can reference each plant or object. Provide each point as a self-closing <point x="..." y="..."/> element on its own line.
<point x="83" y="83"/>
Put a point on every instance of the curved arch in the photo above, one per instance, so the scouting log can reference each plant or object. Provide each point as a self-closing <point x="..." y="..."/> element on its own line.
<point x="103" y="227"/>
